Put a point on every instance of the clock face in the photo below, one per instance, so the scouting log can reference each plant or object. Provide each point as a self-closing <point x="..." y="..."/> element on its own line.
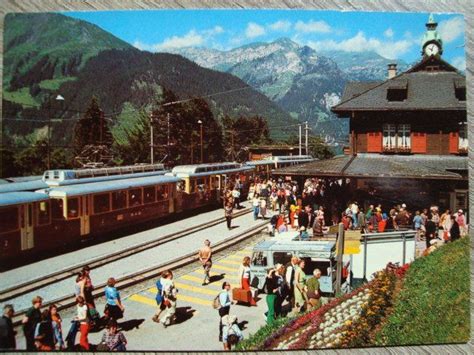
<point x="431" y="49"/>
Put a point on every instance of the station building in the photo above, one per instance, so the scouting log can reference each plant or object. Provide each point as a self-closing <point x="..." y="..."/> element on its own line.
<point x="408" y="135"/>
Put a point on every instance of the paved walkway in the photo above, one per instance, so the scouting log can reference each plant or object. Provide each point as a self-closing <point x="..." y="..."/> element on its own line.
<point x="197" y="322"/>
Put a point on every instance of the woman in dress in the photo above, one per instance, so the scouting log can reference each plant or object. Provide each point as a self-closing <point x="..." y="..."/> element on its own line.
<point x="83" y="320"/>
<point x="244" y="277"/>
<point x="300" y="291"/>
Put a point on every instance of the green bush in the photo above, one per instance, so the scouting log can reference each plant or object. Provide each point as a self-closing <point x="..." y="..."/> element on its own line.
<point x="433" y="305"/>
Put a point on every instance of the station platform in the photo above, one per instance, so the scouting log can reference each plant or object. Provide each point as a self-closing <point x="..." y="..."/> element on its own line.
<point x="128" y="265"/>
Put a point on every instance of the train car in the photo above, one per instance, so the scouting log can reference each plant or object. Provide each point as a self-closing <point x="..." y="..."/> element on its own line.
<point x="25" y="223"/>
<point x="203" y="184"/>
<point x="264" y="167"/>
<point x="30" y="186"/>
<point x="83" y="210"/>
<point x="63" y="177"/>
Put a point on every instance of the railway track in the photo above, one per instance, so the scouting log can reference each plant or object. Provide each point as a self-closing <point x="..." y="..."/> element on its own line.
<point x="26" y="287"/>
<point x="152" y="272"/>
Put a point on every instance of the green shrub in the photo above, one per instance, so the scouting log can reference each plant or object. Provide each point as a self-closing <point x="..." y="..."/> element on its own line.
<point x="433" y="305"/>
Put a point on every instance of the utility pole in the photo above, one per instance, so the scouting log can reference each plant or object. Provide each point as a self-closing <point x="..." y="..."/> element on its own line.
<point x="299" y="126"/>
<point x="232" y="153"/>
<point x="306" y="129"/>
<point x="200" y="123"/>
<point x="340" y="253"/>
<point x="192" y="150"/>
<point x="152" y="144"/>
<point x="168" y="140"/>
<point x="101" y="127"/>
<point x="49" y="135"/>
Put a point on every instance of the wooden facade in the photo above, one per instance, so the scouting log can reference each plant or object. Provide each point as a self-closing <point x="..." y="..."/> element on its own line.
<point x="430" y="132"/>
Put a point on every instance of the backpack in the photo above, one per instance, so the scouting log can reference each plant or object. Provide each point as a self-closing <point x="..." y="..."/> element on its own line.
<point x="216" y="302"/>
<point x="159" y="294"/>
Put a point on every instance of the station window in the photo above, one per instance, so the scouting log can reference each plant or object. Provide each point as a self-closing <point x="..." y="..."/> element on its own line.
<point x="135" y="197"/>
<point x="119" y="200"/>
<point x="101" y="203"/>
<point x="73" y="208"/>
<point x="43" y="213"/>
<point x="149" y="194"/>
<point x="9" y="218"/>
<point x="57" y="208"/>
<point x="258" y="259"/>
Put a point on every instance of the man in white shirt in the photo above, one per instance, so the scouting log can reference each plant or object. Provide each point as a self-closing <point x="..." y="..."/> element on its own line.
<point x="290" y="278"/>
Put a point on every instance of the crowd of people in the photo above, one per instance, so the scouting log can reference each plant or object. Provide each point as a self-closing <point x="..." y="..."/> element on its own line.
<point x="43" y="328"/>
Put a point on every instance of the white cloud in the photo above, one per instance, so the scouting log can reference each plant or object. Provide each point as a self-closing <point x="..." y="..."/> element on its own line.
<point x="312" y="26"/>
<point x="360" y="43"/>
<point x="190" y="39"/>
<point x="451" y="29"/>
<point x="389" y="33"/>
<point x="254" y="30"/>
<point x="459" y="62"/>
<point x="281" y="25"/>
<point x="216" y="30"/>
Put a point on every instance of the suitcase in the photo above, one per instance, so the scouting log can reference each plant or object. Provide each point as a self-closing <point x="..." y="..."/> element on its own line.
<point x="241" y="295"/>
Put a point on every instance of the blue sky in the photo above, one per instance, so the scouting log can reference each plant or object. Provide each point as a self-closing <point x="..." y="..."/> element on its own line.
<point x="392" y="35"/>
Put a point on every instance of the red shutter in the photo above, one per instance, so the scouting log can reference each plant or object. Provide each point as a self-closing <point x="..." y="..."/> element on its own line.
<point x="374" y="142"/>
<point x="454" y="142"/>
<point x="418" y="142"/>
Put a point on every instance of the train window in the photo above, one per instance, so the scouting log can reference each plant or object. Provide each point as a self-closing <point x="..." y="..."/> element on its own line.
<point x="162" y="192"/>
<point x="43" y="213"/>
<point x="180" y="186"/>
<point x="149" y="194"/>
<point x="57" y="208"/>
<point x="281" y="258"/>
<point x="73" y="208"/>
<point x="135" y="197"/>
<point x="119" y="200"/>
<point x="200" y="185"/>
<point x="9" y="218"/>
<point x="101" y="203"/>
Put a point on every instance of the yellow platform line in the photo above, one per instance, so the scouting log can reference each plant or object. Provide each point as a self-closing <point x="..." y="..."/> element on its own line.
<point x="195" y="300"/>
<point x="244" y="252"/>
<point x="230" y="262"/>
<point x="143" y="299"/>
<point x="235" y="257"/>
<point x="180" y="286"/>
<point x="225" y="268"/>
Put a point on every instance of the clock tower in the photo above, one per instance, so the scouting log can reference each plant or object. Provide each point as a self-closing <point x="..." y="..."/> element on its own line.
<point x="432" y="44"/>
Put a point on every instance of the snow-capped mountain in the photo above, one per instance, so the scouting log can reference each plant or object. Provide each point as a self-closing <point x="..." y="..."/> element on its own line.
<point x="303" y="82"/>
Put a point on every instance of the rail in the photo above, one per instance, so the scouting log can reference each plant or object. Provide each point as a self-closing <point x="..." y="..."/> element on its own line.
<point x="31" y="285"/>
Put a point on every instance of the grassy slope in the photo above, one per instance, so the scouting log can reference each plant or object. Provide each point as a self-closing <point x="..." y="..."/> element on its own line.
<point x="433" y="306"/>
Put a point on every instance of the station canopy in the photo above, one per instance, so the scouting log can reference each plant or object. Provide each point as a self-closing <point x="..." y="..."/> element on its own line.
<point x="366" y="165"/>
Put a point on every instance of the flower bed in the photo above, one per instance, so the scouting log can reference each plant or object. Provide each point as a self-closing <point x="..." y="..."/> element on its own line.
<point x="343" y="322"/>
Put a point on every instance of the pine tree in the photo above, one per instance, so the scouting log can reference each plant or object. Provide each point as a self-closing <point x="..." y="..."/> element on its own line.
<point x="92" y="129"/>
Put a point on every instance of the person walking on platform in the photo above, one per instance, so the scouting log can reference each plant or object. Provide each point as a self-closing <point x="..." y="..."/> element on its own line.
<point x="83" y="320"/>
<point x="44" y="330"/>
<point x="57" y="326"/>
<point x="300" y="292"/>
<point x="272" y="289"/>
<point x="244" y="278"/>
<point x="256" y="206"/>
<point x="32" y="317"/>
<point x="7" y="334"/>
<point x="290" y="279"/>
<point x="159" y="296"/>
<point x="225" y="303"/>
<point x="113" y="308"/>
<point x="170" y="294"/>
<point x="205" y="254"/>
<point x="228" y="211"/>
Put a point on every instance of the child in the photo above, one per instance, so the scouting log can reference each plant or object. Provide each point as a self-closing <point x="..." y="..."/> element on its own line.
<point x="57" y="326"/>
